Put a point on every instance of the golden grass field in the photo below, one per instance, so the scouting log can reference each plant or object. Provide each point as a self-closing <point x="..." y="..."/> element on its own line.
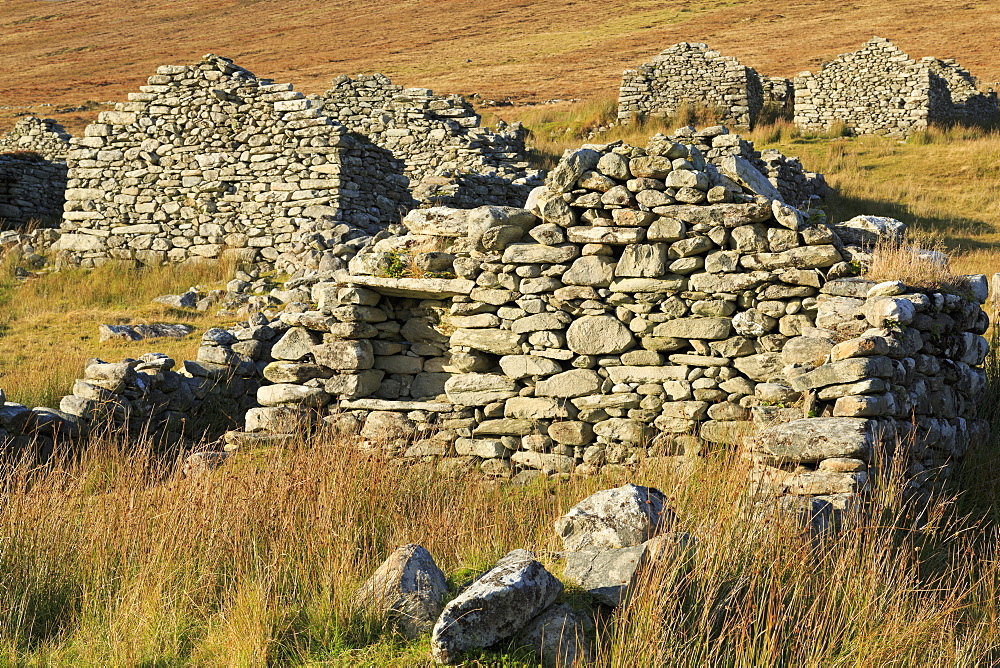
<point x="71" y="51"/>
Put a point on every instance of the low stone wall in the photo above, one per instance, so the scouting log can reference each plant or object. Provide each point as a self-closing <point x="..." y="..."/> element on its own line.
<point x="692" y="73"/>
<point x="448" y="158"/>
<point x="880" y="90"/>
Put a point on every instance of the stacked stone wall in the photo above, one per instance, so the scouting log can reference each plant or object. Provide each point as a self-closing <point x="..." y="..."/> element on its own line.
<point x="43" y="136"/>
<point x="209" y="157"/>
<point x="880" y="90"/>
<point x="636" y="309"/>
<point x="449" y="158"/>
<point x="33" y="172"/>
<point x="692" y="73"/>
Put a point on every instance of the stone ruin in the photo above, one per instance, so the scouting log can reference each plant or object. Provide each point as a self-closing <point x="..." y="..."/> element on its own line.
<point x="645" y="304"/>
<point x="692" y="73"/>
<point x="33" y="172"/>
<point x="875" y="90"/>
<point x="209" y="157"/>
<point x="880" y="90"/>
<point x="449" y="158"/>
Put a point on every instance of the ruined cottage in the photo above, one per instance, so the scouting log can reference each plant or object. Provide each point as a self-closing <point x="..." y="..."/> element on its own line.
<point x="208" y="156"/>
<point x="880" y="90"/>
<point x="692" y="73"/>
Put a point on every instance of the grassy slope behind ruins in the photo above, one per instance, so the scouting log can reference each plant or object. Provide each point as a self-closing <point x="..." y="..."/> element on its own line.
<point x="74" y="50"/>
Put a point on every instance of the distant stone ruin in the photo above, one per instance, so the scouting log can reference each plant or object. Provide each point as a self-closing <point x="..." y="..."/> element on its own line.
<point x="33" y="172"/>
<point x="692" y="73"/>
<point x="209" y="157"/>
<point x="448" y="158"/>
<point x="880" y="90"/>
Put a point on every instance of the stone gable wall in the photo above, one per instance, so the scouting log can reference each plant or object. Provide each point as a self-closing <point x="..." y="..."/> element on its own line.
<point x="448" y="157"/>
<point x="209" y="157"/>
<point x="695" y="74"/>
<point x="880" y="90"/>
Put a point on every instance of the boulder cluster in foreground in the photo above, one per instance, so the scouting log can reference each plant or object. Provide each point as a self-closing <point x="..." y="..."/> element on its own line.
<point x="608" y="538"/>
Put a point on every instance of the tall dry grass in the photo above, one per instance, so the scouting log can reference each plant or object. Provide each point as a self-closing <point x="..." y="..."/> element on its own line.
<point x="917" y="261"/>
<point x="108" y="560"/>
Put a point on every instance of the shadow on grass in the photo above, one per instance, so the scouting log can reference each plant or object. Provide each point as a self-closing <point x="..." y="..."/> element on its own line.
<point x="954" y="232"/>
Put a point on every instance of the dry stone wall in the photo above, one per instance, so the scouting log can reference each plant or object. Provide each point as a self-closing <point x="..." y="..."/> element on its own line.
<point x="642" y="305"/>
<point x="207" y="157"/>
<point x="43" y="136"/>
<point x="637" y="307"/>
<point x="692" y="73"/>
<point x="448" y="157"/>
<point x="880" y="90"/>
<point x="33" y="171"/>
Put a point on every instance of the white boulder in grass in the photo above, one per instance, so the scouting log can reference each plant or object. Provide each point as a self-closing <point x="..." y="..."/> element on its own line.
<point x="622" y="517"/>
<point x="496" y="606"/>
<point x="868" y="230"/>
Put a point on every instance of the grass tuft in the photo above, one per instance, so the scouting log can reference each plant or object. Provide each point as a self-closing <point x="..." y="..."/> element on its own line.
<point x="918" y="262"/>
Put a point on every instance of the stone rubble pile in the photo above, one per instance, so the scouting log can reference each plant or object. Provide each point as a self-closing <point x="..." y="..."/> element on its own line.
<point x="880" y="90"/>
<point x="617" y="533"/>
<point x="198" y="399"/>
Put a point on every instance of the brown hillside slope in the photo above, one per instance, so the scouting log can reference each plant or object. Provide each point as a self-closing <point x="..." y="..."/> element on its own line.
<point x="70" y="51"/>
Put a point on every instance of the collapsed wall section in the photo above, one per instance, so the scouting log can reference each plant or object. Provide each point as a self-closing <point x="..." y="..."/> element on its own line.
<point x="692" y="73"/>
<point x="33" y="171"/>
<point x="955" y="96"/>
<point x="447" y="156"/>
<point x="209" y="157"/>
